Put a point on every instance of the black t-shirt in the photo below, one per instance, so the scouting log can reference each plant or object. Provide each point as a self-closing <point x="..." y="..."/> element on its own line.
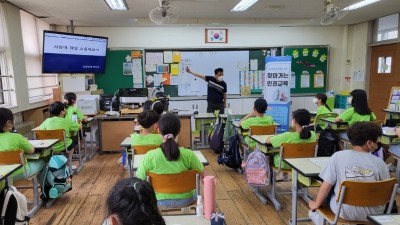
<point x="215" y="90"/>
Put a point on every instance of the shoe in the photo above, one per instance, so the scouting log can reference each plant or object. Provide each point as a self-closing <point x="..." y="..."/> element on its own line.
<point x="74" y="167"/>
<point x="285" y="176"/>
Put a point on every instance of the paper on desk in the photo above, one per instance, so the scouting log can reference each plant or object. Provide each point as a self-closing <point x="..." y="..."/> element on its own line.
<point x="36" y="142"/>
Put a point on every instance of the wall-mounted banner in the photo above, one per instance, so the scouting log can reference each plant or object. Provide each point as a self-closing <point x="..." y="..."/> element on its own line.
<point x="277" y="89"/>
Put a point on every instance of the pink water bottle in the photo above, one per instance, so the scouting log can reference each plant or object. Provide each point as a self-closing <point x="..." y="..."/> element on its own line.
<point x="209" y="196"/>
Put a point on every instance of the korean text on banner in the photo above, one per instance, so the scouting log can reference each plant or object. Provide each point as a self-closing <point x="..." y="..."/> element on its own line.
<point x="277" y="89"/>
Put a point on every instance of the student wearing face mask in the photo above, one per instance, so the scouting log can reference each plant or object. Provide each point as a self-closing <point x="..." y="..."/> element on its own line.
<point x="357" y="164"/>
<point x="148" y="120"/>
<point x="216" y="90"/>
<point x="320" y="100"/>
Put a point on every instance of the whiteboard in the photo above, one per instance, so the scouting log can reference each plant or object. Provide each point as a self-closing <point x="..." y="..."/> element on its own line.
<point x="205" y="62"/>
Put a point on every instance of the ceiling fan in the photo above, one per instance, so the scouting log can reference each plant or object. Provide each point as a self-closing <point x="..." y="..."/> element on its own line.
<point x="332" y="13"/>
<point x="163" y="14"/>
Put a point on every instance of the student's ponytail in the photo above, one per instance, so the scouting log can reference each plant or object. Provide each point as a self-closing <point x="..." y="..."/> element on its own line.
<point x="170" y="126"/>
<point x="305" y="133"/>
<point x="303" y="118"/>
<point x="170" y="148"/>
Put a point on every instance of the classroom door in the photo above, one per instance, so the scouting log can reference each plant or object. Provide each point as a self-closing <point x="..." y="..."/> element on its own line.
<point x="384" y="74"/>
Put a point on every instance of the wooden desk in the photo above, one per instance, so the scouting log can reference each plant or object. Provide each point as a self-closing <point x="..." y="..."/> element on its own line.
<point x="203" y="117"/>
<point x="308" y="167"/>
<point x="40" y="147"/>
<point x="391" y="219"/>
<point x="335" y="125"/>
<point x="138" y="159"/>
<point x="7" y="170"/>
<point x="185" y="219"/>
<point x="113" y="129"/>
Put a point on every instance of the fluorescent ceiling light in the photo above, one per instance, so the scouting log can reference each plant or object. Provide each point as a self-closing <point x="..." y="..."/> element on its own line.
<point x="116" y="4"/>
<point x="243" y="5"/>
<point x="360" y="4"/>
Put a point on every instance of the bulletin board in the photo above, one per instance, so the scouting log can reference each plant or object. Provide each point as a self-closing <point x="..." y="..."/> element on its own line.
<point x="242" y="67"/>
<point x="309" y="68"/>
<point x="124" y="69"/>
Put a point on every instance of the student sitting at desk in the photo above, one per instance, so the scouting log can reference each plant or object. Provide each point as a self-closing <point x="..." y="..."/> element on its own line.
<point x="359" y="110"/>
<point x="320" y="99"/>
<point x="170" y="159"/>
<point x="356" y="164"/>
<point x="256" y="117"/>
<point x="74" y="113"/>
<point x="300" y="123"/>
<point x="132" y="201"/>
<point x="59" y="122"/>
<point x="14" y="141"/>
<point x="149" y="136"/>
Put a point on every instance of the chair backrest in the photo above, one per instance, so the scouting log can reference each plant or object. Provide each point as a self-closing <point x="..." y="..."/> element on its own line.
<point x="11" y="157"/>
<point x="174" y="183"/>
<point x="262" y="130"/>
<point x="50" y="134"/>
<point x="323" y="115"/>
<point x="354" y="193"/>
<point x="298" y="150"/>
<point x="378" y="122"/>
<point x="378" y="192"/>
<point x="143" y="149"/>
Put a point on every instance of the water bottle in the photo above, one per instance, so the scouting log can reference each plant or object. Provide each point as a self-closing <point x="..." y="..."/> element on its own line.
<point x="199" y="206"/>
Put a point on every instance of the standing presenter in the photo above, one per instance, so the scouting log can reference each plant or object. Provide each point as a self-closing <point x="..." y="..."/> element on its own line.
<point x="216" y="90"/>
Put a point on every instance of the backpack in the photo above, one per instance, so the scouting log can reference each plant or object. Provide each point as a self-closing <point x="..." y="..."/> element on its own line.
<point x="327" y="142"/>
<point x="231" y="158"/>
<point x="13" y="207"/>
<point x="56" y="180"/>
<point x="216" y="138"/>
<point x="257" y="169"/>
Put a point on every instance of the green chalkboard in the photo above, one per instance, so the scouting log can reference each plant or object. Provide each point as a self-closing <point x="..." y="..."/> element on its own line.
<point x="309" y="68"/>
<point x="113" y="78"/>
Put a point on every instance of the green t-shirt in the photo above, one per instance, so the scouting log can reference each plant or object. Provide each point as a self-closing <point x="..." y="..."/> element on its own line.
<point x="155" y="161"/>
<point x="55" y="123"/>
<point x="350" y="116"/>
<point x="148" y="139"/>
<point x="290" y="137"/>
<point x="13" y="141"/>
<point x="322" y="110"/>
<point x="255" y="121"/>
<point x="71" y="110"/>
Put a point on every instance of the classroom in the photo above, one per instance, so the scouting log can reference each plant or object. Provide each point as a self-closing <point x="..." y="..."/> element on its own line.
<point x="276" y="56"/>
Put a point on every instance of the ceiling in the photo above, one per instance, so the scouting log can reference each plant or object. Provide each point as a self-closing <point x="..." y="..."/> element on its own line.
<point x="201" y="12"/>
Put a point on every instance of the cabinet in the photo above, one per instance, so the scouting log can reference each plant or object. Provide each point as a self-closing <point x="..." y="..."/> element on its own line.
<point x="341" y="101"/>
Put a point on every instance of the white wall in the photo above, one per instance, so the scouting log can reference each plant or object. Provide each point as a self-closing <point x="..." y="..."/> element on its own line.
<point x="238" y="37"/>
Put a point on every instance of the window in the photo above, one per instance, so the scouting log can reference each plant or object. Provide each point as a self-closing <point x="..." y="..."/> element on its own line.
<point x="40" y="86"/>
<point x="5" y="78"/>
<point x="384" y="65"/>
<point x="387" y="28"/>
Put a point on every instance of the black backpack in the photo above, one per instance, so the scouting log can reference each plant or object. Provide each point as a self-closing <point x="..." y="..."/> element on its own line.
<point x="327" y="142"/>
<point x="231" y="158"/>
<point x="216" y="137"/>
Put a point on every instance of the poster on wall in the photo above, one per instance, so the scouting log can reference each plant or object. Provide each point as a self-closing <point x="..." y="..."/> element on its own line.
<point x="277" y="89"/>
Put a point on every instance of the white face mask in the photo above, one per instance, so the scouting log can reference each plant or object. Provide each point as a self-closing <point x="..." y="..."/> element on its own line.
<point x="220" y="78"/>
<point x="315" y="100"/>
<point x="349" y="100"/>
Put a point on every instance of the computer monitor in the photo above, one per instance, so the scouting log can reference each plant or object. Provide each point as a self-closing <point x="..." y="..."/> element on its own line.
<point x="106" y="100"/>
<point x="133" y="92"/>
